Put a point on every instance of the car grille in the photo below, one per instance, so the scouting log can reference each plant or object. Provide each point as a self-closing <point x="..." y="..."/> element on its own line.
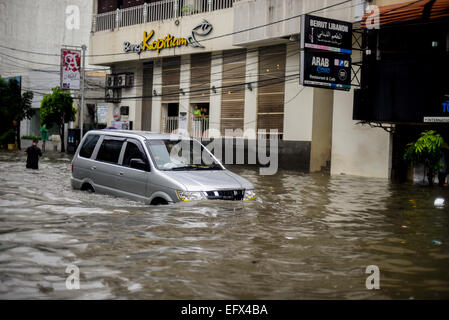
<point x="225" y="195"/>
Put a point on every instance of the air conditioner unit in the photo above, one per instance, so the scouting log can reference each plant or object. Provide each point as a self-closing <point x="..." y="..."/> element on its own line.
<point x="113" y="95"/>
<point x="130" y="80"/>
<point x="109" y="95"/>
<point x="110" y="81"/>
<point x="117" y="95"/>
<point x="121" y="80"/>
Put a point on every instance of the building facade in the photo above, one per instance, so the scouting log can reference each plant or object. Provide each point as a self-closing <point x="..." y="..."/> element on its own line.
<point x="32" y="35"/>
<point x="239" y="62"/>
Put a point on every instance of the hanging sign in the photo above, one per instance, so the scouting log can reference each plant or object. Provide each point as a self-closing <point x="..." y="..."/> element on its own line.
<point x="70" y="69"/>
<point x="326" y="34"/>
<point x="325" y="58"/>
<point x="325" y="69"/>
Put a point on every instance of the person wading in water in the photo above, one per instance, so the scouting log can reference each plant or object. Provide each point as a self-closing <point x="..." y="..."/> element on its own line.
<point x="33" y="153"/>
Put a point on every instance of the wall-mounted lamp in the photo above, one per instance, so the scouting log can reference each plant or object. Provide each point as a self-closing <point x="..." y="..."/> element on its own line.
<point x="154" y="93"/>
<point x="182" y="91"/>
<point x="250" y="87"/>
<point x="214" y="89"/>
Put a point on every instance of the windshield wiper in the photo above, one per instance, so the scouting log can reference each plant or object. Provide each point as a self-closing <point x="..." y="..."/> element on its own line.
<point x="213" y="167"/>
<point x="184" y="168"/>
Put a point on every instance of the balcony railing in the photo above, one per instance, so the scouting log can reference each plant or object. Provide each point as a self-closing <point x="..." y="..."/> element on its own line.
<point x="155" y="11"/>
<point x="198" y="127"/>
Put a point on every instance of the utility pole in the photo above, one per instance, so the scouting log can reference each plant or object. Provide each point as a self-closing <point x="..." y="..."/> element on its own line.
<point x="83" y="67"/>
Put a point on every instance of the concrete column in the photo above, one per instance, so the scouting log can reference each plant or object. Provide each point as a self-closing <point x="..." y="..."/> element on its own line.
<point x="357" y="150"/>
<point x="215" y="97"/>
<point x="252" y="74"/>
<point x="135" y="113"/>
<point x="157" y="100"/>
<point x="298" y="107"/>
<point x="184" y="100"/>
<point x="321" y="146"/>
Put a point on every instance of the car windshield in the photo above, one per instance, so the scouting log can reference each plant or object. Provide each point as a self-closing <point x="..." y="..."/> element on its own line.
<point x="180" y="155"/>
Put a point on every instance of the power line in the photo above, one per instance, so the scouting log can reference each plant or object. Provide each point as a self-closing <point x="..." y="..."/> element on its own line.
<point x="239" y="53"/>
<point x="203" y="40"/>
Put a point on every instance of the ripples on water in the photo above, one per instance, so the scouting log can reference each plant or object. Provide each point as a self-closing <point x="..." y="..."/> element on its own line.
<point x="308" y="236"/>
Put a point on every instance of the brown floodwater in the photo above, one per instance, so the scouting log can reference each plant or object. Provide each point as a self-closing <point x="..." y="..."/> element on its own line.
<point x="308" y="236"/>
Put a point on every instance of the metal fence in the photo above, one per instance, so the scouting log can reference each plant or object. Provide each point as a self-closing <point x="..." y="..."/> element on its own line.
<point x="170" y="124"/>
<point x="155" y="11"/>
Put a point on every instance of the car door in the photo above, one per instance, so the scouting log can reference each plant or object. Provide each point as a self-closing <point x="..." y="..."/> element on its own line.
<point x="83" y="162"/>
<point x="106" y="166"/>
<point x="133" y="180"/>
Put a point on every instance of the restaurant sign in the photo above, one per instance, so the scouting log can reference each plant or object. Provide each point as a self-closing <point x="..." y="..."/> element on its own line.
<point x="169" y="41"/>
<point x="326" y="34"/>
<point x="326" y="47"/>
<point x="324" y="69"/>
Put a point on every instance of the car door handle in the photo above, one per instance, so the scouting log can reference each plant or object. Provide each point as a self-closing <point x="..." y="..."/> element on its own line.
<point x="93" y="167"/>
<point x="120" y="173"/>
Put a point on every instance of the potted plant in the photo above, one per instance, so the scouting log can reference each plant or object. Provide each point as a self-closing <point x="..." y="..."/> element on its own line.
<point x="8" y="139"/>
<point x="427" y="150"/>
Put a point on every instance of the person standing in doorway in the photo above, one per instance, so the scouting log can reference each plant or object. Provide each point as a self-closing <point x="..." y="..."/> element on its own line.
<point x="33" y="153"/>
<point x="197" y="121"/>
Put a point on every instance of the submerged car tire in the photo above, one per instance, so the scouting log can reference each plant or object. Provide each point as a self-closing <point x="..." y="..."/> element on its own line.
<point x="88" y="187"/>
<point x="158" y="202"/>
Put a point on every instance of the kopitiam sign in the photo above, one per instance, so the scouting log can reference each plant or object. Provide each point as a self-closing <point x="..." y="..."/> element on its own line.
<point x="169" y="41"/>
<point x="70" y="69"/>
<point x="325" y="59"/>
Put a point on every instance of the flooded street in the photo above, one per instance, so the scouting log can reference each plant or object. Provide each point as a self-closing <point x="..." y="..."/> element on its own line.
<point x="308" y="236"/>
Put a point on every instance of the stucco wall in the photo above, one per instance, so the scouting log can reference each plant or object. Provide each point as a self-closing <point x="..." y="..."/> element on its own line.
<point x="39" y="26"/>
<point x="357" y="150"/>
<point x="321" y="147"/>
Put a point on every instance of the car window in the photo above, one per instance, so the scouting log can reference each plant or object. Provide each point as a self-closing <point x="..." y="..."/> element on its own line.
<point x="132" y="151"/>
<point x="184" y="154"/>
<point x="89" y="145"/>
<point x="109" y="151"/>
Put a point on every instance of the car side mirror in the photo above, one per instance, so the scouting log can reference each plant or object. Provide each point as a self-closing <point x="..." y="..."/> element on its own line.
<point x="139" y="164"/>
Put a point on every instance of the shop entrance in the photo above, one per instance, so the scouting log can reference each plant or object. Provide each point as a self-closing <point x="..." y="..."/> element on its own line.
<point x="170" y="117"/>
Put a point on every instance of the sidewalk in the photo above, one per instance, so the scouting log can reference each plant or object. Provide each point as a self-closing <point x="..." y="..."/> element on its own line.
<point x="49" y="145"/>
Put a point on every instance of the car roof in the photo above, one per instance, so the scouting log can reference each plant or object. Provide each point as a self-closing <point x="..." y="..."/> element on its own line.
<point x="137" y="133"/>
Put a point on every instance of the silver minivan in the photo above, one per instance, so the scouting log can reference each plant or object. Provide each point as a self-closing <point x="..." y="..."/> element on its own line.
<point x="153" y="168"/>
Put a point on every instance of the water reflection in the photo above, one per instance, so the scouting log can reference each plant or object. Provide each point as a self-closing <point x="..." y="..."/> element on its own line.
<point x="307" y="236"/>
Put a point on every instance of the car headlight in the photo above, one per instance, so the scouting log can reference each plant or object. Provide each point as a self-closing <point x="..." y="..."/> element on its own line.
<point x="190" y="195"/>
<point x="249" y="195"/>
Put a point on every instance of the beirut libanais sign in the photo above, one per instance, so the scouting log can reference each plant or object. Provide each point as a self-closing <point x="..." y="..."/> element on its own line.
<point x="325" y="57"/>
<point x="326" y="34"/>
<point x="70" y="69"/>
<point x="169" y="41"/>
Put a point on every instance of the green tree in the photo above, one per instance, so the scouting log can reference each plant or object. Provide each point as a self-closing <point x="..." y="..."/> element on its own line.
<point x="57" y="109"/>
<point x="14" y="107"/>
<point x="427" y="150"/>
